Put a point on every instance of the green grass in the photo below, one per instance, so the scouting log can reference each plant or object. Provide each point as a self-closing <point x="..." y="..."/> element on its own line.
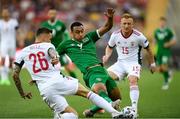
<point x="153" y="101"/>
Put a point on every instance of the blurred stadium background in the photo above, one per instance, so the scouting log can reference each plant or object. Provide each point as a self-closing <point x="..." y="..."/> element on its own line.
<point x="153" y="102"/>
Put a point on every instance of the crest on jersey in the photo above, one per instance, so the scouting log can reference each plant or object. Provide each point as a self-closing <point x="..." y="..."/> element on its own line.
<point x="132" y="44"/>
<point x="85" y="40"/>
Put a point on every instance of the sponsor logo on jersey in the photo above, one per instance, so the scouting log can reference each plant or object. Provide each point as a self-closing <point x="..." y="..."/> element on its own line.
<point x="85" y="40"/>
<point x="98" y="79"/>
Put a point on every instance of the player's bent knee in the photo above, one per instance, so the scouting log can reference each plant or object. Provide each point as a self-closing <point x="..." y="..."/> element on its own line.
<point x="99" y="87"/>
<point x="133" y="80"/>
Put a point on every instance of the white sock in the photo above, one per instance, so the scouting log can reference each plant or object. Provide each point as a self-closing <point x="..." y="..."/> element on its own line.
<point x="100" y="102"/>
<point x="134" y="96"/>
<point x="66" y="116"/>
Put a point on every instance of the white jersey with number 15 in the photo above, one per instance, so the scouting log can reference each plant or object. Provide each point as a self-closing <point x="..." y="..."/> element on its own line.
<point x="128" y="48"/>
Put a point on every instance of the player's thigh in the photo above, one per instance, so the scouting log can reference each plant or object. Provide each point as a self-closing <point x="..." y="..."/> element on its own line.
<point x="55" y="101"/>
<point x="133" y="69"/>
<point x="117" y="71"/>
<point x="97" y="79"/>
<point x="70" y="86"/>
<point x="165" y="61"/>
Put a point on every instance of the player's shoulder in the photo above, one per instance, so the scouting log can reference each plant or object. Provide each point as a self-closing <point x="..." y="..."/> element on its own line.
<point x="138" y="33"/>
<point x="60" y="22"/>
<point x="116" y="32"/>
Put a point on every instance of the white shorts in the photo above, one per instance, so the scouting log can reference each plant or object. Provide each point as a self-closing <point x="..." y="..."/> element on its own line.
<point x="54" y="94"/>
<point x="8" y="50"/>
<point x="123" y="68"/>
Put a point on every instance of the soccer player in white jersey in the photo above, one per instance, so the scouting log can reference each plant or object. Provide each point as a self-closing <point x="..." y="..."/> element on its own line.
<point x="8" y="27"/>
<point x="39" y="59"/>
<point x="128" y="43"/>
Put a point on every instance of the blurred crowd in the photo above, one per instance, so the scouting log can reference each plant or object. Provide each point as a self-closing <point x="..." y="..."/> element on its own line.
<point x="30" y="13"/>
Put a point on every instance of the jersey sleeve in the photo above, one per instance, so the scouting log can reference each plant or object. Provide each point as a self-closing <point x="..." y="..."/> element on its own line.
<point x="94" y="35"/>
<point x="61" y="48"/>
<point x="143" y="41"/>
<point x="111" y="42"/>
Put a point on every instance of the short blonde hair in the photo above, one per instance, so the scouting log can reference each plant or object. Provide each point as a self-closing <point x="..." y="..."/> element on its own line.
<point x="126" y="16"/>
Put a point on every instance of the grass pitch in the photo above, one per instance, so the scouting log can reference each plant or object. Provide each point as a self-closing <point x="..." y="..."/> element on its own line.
<point x="153" y="102"/>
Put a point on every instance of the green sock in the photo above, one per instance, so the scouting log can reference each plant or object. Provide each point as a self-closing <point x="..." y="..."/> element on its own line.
<point x="166" y="76"/>
<point x="104" y="95"/>
<point x="72" y="74"/>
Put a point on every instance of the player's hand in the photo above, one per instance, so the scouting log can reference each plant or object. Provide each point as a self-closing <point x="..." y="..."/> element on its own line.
<point x="27" y="95"/>
<point x="55" y="61"/>
<point x="31" y="82"/>
<point x="109" y="13"/>
<point x="153" y="68"/>
<point x="104" y="59"/>
<point x="166" y="45"/>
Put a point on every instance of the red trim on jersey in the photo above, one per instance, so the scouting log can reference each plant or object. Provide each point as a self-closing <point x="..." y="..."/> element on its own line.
<point x="136" y="33"/>
<point x="128" y="35"/>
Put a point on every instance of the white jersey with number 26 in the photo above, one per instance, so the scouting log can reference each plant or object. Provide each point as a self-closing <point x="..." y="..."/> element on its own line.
<point x="38" y="63"/>
<point x="128" y="48"/>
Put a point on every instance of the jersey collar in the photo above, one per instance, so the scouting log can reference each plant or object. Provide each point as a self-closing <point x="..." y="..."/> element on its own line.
<point x="49" y="22"/>
<point x="128" y="35"/>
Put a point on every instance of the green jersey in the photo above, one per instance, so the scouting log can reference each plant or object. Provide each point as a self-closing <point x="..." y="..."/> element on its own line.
<point x="163" y="36"/>
<point x="59" y="31"/>
<point x="82" y="53"/>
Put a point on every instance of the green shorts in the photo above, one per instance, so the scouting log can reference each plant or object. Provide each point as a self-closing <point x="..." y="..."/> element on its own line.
<point x="162" y="59"/>
<point x="64" y="59"/>
<point x="99" y="74"/>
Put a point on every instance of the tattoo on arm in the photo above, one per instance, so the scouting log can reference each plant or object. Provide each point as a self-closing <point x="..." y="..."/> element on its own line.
<point x="52" y="53"/>
<point x="16" y="72"/>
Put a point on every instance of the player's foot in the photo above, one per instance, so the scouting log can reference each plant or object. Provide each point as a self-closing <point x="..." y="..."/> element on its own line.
<point x="88" y="113"/>
<point x="165" y="87"/>
<point x="135" y="115"/>
<point x="116" y="104"/>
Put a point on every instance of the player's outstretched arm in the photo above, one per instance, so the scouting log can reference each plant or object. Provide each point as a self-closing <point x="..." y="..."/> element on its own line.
<point x="16" y="72"/>
<point x="109" y="23"/>
<point x="108" y="53"/>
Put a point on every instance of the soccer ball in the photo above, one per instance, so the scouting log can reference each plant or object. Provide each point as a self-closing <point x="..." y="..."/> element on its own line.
<point x="129" y="112"/>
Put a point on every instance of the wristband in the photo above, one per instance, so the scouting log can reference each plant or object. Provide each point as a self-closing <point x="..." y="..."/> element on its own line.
<point x="153" y="64"/>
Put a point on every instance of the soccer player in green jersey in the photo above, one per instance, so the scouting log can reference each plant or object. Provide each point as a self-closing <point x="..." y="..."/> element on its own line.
<point x="165" y="39"/>
<point x="82" y="51"/>
<point x="60" y="33"/>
